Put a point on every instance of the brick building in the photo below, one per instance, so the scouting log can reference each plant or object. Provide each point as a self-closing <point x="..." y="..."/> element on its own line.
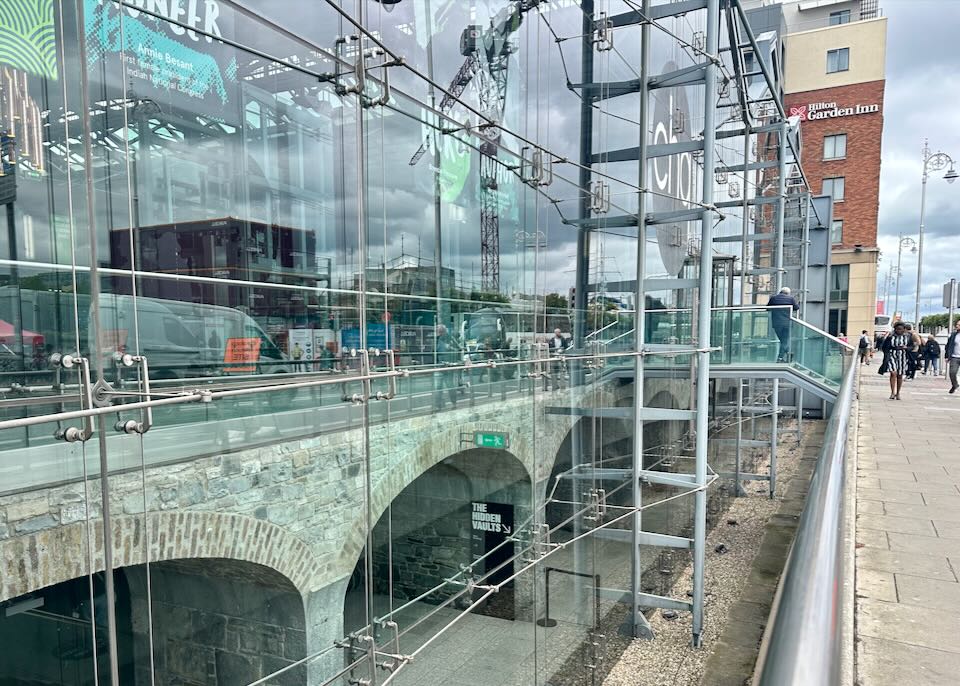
<point x="834" y="70"/>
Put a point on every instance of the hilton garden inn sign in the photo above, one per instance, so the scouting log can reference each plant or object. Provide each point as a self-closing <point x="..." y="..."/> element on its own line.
<point x="829" y="110"/>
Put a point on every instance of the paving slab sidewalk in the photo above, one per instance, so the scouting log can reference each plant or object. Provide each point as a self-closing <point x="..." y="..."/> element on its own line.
<point x="908" y="534"/>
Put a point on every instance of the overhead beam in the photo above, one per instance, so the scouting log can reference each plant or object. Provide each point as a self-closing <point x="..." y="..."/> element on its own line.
<point x="604" y="222"/>
<point x="662" y="11"/>
<point x="687" y="76"/>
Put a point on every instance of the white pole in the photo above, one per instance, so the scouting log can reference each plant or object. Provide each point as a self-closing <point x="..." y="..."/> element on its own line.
<point x="923" y="203"/>
<point x="953" y="306"/>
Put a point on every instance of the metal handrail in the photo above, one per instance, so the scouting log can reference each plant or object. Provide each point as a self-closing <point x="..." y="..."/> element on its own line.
<point x="604" y="328"/>
<point x="823" y="333"/>
<point x="803" y="645"/>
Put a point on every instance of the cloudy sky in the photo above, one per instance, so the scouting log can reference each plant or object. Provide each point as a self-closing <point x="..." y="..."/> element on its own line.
<point x="923" y="92"/>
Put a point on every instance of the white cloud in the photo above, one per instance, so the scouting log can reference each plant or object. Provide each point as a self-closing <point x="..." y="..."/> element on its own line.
<point x="922" y="100"/>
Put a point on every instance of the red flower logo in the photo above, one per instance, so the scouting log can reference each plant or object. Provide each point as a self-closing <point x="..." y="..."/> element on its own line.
<point x="799" y="111"/>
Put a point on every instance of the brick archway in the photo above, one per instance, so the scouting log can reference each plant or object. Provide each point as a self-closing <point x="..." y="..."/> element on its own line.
<point x="59" y="554"/>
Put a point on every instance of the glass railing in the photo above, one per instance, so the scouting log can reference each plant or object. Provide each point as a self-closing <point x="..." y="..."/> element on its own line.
<point x="742" y="336"/>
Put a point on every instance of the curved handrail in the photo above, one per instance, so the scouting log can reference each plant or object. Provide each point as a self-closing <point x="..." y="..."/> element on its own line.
<point x="804" y="643"/>
<point x="823" y="333"/>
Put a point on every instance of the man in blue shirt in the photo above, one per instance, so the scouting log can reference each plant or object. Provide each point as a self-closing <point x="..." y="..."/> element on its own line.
<point x="780" y="319"/>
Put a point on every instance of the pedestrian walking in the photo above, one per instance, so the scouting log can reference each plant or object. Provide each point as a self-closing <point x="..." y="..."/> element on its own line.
<point x="557" y="346"/>
<point x="952" y="356"/>
<point x="780" y="319"/>
<point x="895" y="359"/>
<point x="931" y="355"/>
<point x="863" y="348"/>
<point x="913" y="352"/>
<point x="445" y="380"/>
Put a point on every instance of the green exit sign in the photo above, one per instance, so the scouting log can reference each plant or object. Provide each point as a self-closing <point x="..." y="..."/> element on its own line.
<point x="491" y="439"/>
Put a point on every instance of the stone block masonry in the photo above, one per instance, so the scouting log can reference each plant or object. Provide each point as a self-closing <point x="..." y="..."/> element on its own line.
<point x="295" y="506"/>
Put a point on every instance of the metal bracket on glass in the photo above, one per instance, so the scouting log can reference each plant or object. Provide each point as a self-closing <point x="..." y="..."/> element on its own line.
<point x="596" y="505"/>
<point x="396" y="659"/>
<point x="132" y="426"/>
<point x="357" y="398"/>
<point x="391" y="380"/>
<point x="600" y="197"/>
<point x="603" y="33"/>
<point x="338" y="44"/>
<point x="542" y="544"/>
<point x="533" y="169"/>
<point x="355" y="648"/>
<point x="74" y="434"/>
<point x="699" y="41"/>
<point x="384" y="66"/>
<point x="465" y="573"/>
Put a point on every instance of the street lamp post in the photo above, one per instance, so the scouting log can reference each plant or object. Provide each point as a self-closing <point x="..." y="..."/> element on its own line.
<point x="931" y="162"/>
<point x="904" y="240"/>
<point x="887" y="288"/>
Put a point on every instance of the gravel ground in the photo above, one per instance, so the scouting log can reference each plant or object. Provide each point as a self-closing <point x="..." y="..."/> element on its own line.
<point x="668" y="659"/>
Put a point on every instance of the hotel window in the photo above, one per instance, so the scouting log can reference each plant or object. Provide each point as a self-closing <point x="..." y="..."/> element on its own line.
<point x="841" y="17"/>
<point x="839" y="282"/>
<point x="836" y="231"/>
<point x="838" y="60"/>
<point x="834" y="187"/>
<point x="837" y="322"/>
<point x="835" y="147"/>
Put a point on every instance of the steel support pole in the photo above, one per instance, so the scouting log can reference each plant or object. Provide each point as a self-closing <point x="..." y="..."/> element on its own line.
<point x="804" y="286"/>
<point x="923" y="208"/>
<point x="640" y="626"/>
<point x="437" y="214"/>
<point x="712" y="48"/>
<point x="953" y="304"/>
<point x="896" y="296"/>
<point x="582" y="277"/>
<point x="101" y="430"/>
<point x="737" y="458"/>
<point x="745" y="228"/>
<point x="778" y="284"/>
<point x="577" y="442"/>
<point x="362" y="245"/>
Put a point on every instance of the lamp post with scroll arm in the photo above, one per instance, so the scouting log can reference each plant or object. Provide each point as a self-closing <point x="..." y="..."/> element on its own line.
<point x="931" y="162"/>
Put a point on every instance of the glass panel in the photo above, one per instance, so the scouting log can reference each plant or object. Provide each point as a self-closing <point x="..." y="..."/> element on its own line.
<point x="386" y="333"/>
<point x="52" y="594"/>
<point x="836" y="231"/>
<point x="765" y="336"/>
<point x="841" y="17"/>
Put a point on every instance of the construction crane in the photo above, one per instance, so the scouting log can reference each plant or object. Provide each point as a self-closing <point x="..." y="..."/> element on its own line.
<point x="487" y="52"/>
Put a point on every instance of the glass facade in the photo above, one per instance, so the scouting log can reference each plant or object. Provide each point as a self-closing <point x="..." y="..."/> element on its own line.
<point x="320" y="330"/>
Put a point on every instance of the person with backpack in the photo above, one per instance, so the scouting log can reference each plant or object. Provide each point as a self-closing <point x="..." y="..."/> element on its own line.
<point x="931" y="355"/>
<point x="863" y="348"/>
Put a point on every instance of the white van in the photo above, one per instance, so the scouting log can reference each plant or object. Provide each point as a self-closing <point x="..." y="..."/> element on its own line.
<point x="882" y="325"/>
<point x="182" y="339"/>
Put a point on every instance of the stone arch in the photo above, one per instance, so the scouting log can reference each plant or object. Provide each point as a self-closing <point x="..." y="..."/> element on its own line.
<point x="394" y="470"/>
<point x="59" y="554"/>
<point x="434" y="511"/>
<point x="403" y="469"/>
